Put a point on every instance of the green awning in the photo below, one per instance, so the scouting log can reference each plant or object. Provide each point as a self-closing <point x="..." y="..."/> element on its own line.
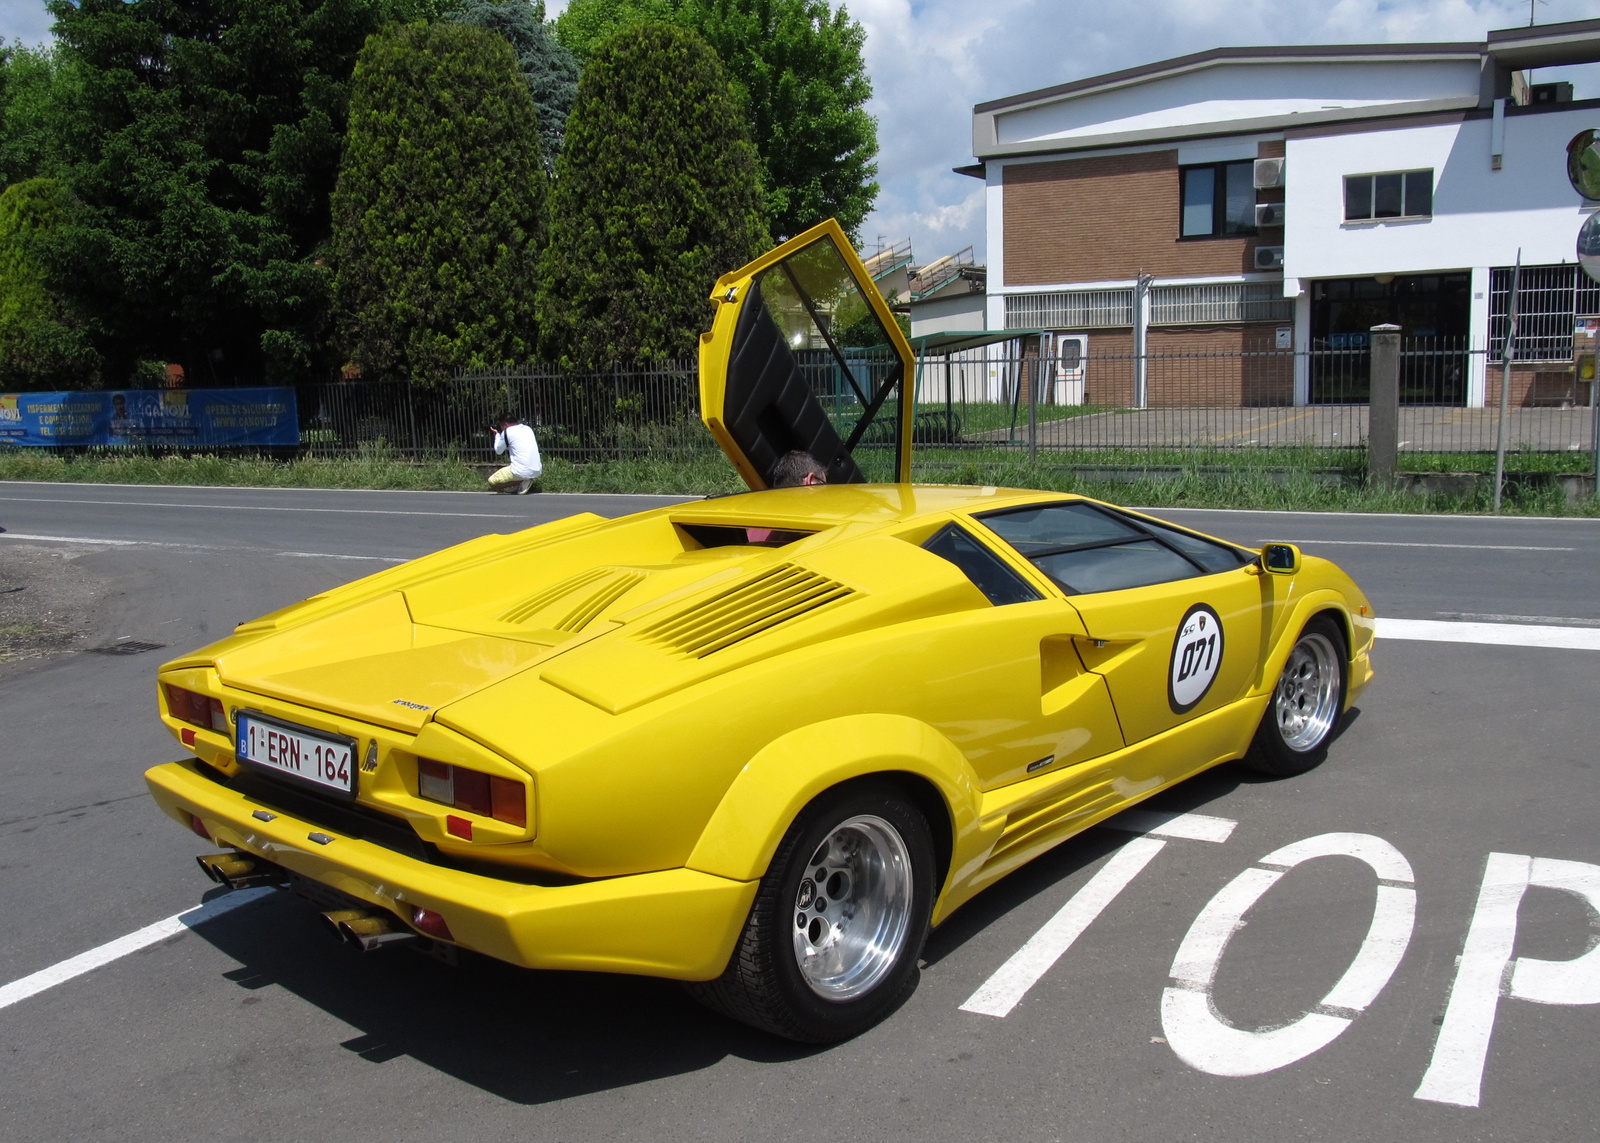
<point x="954" y="341"/>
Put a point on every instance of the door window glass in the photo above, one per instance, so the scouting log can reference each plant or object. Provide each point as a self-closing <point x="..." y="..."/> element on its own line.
<point x="1115" y="567"/>
<point x="1084" y="549"/>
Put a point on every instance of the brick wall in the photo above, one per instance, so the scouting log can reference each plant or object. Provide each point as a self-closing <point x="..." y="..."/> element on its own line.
<point x="1218" y="369"/>
<point x="1106" y="218"/>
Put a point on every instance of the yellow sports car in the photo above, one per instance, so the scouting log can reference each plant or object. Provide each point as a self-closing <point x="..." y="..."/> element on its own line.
<point x="759" y="743"/>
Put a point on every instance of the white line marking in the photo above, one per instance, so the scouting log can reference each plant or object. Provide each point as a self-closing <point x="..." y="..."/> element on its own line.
<point x="1003" y="991"/>
<point x="190" y="547"/>
<point x="1400" y="544"/>
<point x="261" y="508"/>
<point x="1550" y="620"/>
<point x="1496" y="634"/>
<point x="1190" y="827"/>
<point x="47" y="978"/>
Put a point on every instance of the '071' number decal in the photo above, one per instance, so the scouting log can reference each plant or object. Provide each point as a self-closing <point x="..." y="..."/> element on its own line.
<point x="1196" y="657"/>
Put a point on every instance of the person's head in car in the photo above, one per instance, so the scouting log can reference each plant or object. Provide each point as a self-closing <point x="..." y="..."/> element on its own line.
<point x="796" y="469"/>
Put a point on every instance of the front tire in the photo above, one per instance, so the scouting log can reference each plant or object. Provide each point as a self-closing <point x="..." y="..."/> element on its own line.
<point x="832" y="941"/>
<point x="1305" y="706"/>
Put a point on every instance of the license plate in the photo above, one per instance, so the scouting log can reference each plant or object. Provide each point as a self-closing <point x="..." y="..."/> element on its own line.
<point x="296" y="753"/>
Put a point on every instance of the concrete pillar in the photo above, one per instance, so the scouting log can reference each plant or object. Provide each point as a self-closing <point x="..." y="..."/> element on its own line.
<point x="1383" y="413"/>
<point x="1478" y="338"/>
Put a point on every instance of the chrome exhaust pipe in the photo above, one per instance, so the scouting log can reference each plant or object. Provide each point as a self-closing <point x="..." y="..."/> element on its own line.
<point x="368" y="929"/>
<point x="240" y="871"/>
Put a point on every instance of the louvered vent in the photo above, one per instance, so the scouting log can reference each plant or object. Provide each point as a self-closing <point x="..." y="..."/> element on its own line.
<point x="770" y="600"/>
<point x="572" y="604"/>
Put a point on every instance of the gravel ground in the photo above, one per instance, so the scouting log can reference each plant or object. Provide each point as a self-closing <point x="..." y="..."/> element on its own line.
<point x="46" y="599"/>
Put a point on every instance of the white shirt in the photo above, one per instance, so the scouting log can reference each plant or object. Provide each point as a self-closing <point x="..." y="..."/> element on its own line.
<point x="524" y="451"/>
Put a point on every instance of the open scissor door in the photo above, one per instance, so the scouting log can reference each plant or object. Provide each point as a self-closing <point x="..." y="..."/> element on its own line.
<point x="804" y="354"/>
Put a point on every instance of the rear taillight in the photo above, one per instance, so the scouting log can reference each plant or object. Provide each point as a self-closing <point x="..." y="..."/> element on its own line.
<point x="196" y="709"/>
<point x="431" y="923"/>
<point x="487" y="795"/>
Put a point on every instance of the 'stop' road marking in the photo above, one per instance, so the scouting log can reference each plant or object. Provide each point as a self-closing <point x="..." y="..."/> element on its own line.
<point x="1495" y="634"/>
<point x="66" y="970"/>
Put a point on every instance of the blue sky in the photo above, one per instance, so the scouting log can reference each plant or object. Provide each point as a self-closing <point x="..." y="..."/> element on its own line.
<point x="931" y="60"/>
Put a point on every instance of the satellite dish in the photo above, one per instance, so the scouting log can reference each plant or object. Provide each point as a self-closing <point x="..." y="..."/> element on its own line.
<point x="1583" y="164"/>
<point x="1589" y="246"/>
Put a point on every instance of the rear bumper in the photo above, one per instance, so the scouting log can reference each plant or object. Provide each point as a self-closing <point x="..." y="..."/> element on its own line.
<point x="676" y="923"/>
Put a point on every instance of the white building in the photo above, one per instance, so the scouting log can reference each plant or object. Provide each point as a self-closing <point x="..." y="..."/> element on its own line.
<point x="1411" y="177"/>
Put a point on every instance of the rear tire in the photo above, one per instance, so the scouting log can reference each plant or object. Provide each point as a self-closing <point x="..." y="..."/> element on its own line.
<point x="1305" y="706"/>
<point x="832" y="941"/>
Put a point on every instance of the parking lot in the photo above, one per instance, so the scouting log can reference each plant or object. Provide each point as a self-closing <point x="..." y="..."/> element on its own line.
<point x="1398" y="973"/>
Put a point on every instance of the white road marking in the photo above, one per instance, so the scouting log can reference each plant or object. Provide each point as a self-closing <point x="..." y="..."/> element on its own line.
<point x="1204" y="1039"/>
<point x="1550" y="620"/>
<point x="1003" y="991"/>
<point x="262" y="508"/>
<point x="1496" y="634"/>
<point x="1191" y="827"/>
<point x="47" y="978"/>
<point x="1400" y="544"/>
<point x="101" y="542"/>
<point x="1455" y="1073"/>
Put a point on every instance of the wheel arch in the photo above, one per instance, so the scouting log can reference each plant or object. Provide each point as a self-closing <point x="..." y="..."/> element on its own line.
<point x="788" y="774"/>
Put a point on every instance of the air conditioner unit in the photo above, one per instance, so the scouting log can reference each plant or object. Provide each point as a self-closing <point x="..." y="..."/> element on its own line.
<point x="1268" y="214"/>
<point x="1269" y="257"/>
<point x="1269" y="173"/>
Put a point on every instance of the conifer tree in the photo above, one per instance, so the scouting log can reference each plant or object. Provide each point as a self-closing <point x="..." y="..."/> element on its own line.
<point x="657" y="193"/>
<point x="439" y="205"/>
<point x="550" y="69"/>
<point x="42" y="343"/>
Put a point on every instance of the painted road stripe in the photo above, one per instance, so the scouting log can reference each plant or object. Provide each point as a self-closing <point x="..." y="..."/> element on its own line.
<point x="1400" y="544"/>
<point x="1003" y="991"/>
<point x="1552" y="620"/>
<point x="1497" y="634"/>
<point x="47" y="978"/>
<point x="105" y="543"/>
<point x="262" y="508"/>
<point x="1190" y="827"/>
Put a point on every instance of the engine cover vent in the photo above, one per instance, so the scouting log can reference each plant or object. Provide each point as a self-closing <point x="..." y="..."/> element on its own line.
<point x="572" y="604"/>
<point x="770" y="600"/>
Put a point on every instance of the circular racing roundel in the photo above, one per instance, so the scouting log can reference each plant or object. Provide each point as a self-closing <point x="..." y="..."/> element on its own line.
<point x="1196" y="657"/>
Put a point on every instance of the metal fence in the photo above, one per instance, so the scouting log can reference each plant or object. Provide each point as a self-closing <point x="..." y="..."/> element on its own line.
<point x="1315" y="399"/>
<point x="1296" y="408"/>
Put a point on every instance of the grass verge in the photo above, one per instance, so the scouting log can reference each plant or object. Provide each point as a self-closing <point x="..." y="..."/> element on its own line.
<point x="1261" y="479"/>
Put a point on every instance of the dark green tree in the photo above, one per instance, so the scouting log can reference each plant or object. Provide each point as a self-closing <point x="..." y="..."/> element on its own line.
<point x="202" y="139"/>
<point x="550" y="69"/>
<point x="799" y="70"/>
<point x="42" y="344"/>
<point x="658" y="191"/>
<point x="439" y="206"/>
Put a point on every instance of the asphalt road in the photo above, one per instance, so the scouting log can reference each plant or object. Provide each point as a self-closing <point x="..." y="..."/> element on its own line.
<point x="255" y="1026"/>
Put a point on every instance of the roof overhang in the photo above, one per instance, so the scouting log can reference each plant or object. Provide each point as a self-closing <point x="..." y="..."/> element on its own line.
<point x="1547" y="45"/>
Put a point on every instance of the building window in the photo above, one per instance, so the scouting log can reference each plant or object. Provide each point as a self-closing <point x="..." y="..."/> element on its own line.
<point x="1223" y="302"/>
<point x="1549" y="299"/>
<point x="1399" y="194"/>
<point x="1218" y="199"/>
<point x="1079" y="309"/>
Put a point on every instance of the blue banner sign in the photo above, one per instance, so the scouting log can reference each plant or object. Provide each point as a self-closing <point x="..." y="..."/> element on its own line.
<point x="171" y="418"/>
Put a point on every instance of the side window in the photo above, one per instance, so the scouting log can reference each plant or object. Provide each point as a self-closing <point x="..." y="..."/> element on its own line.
<point x="986" y="570"/>
<point x="1086" y="549"/>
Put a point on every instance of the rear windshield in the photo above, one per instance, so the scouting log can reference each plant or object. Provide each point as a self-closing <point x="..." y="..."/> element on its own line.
<point x="1085" y="549"/>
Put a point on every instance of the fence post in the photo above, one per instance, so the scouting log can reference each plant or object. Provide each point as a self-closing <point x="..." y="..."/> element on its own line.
<point x="1033" y="370"/>
<point x="1383" y="410"/>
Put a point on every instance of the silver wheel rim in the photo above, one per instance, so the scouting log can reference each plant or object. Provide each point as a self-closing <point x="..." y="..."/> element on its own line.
<point x="1307" y="699"/>
<point x="853" y="908"/>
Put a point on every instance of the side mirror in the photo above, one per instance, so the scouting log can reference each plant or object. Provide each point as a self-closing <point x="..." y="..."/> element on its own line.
<point x="1280" y="559"/>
